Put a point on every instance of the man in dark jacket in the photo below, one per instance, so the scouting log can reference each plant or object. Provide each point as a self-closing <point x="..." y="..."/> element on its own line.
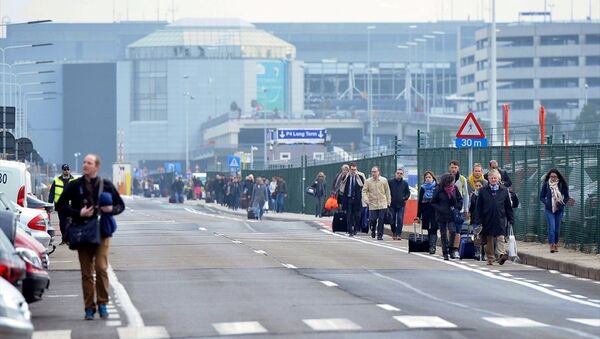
<point x="504" y="178"/>
<point x="493" y="211"/>
<point x="446" y="199"/>
<point x="280" y="194"/>
<point x="400" y="193"/>
<point x="351" y="192"/>
<point x="58" y="186"/>
<point x="80" y="202"/>
<point x="177" y="190"/>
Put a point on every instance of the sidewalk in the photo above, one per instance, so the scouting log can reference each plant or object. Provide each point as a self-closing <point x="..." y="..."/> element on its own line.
<point x="535" y="254"/>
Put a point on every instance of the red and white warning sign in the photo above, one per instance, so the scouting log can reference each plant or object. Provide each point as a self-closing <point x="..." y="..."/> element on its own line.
<point x="470" y="128"/>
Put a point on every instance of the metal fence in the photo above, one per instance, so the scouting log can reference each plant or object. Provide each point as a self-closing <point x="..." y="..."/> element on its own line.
<point x="299" y="177"/>
<point x="526" y="166"/>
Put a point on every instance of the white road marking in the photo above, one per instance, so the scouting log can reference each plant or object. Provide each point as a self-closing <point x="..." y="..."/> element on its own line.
<point x="238" y="328"/>
<point x="590" y="322"/>
<point x="114" y="316"/>
<point x="61" y="296"/>
<point x="388" y="307"/>
<point x="506" y="274"/>
<point x="290" y="266"/>
<point x="562" y="290"/>
<point x="514" y="322"/>
<point x="595" y="300"/>
<point x="532" y="281"/>
<point x="495" y="271"/>
<point x="201" y="228"/>
<point x="567" y="275"/>
<point x="546" y="285"/>
<point x="260" y="252"/>
<point x="579" y="296"/>
<point x="113" y="323"/>
<point x="553" y="271"/>
<point x="150" y="332"/>
<point x="466" y="268"/>
<point x="328" y="283"/>
<point x="236" y="242"/>
<point x="333" y="324"/>
<point x="584" y="279"/>
<point x="59" y="334"/>
<point x="134" y="319"/>
<point x="424" y="322"/>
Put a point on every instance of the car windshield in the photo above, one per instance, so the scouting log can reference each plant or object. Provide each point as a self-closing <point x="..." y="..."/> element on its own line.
<point x="5" y="204"/>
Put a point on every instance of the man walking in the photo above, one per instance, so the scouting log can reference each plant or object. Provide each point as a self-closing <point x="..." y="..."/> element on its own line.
<point x="376" y="195"/>
<point x="462" y="186"/>
<point x="400" y="192"/>
<point x="80" y="202"/>
<point x="281" y="194"/>
<point x="351" y="192"/>
<point x="58" y="185"/>
<point x="504" y="178"/>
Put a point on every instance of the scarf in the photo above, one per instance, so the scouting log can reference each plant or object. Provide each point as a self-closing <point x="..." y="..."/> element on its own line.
<point x="428" y="188"/>
<point x="450" y="190"/>
<point x="557" y="197"/>
<point x="472" y="179"/>
<point x="494" y="189"/>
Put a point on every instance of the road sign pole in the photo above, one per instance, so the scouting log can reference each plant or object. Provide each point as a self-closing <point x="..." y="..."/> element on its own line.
<point x="470" y="161"/>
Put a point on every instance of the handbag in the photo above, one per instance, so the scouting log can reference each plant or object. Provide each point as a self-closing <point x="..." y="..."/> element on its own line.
<point x="458" y="217"/>
<point x="331" y="203"/>
<point x="388" y="217"/>
<point x="88" y="232"/>
<point x="310" y="190"/>
<point x="512" y="243"/>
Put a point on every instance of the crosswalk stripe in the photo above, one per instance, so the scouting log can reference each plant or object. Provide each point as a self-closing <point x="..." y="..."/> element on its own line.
<point x="113" y="323"/>
<point x="424" y="322"/>
<point x="590" y="322"/>
<point x="329" y="283"/>
<point x="146" y="332"/>
<point x="514" y="322"/>
<point x="334" y="324"/>
<point x="388" y="307"/>
<point x="562" y="290"/>
<point x="60" y="334"/>
<point x="238" y="328"/>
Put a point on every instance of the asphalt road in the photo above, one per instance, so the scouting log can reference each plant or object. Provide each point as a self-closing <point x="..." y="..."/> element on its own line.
<point x="187" y="272"/>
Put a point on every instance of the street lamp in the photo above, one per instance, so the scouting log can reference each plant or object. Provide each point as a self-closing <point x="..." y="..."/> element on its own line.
<point x="441" y="34"/>
<point x="252" y="149"/>
<point x="187" y="96"/>
<point x="370" y="87"/>
<point x="77" y="155"/>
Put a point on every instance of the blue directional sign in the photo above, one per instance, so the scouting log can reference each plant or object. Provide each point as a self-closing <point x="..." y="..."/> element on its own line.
<point x="301" y="136"/>
<point x="233" y="162"/>
<point x="471" y="143"/>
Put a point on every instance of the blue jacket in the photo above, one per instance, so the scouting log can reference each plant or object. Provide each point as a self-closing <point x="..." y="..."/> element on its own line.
<point x="108" y="225"/>
<point x="546" y="196"/>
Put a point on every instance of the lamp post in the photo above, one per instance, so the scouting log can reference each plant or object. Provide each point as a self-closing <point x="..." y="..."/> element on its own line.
<point x="252" y="149"/>
<point x="187" y="96"/>
<point x="77" y="155"/>
<point x="427" y="87"/>
<point x="492" y="95"/>
<point x="370" y="87"/>
<point x="441" y="34"/>
<point x="409" y="86"/>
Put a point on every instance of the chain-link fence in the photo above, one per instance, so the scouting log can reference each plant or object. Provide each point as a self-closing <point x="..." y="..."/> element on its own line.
<point x="526" y="166"/>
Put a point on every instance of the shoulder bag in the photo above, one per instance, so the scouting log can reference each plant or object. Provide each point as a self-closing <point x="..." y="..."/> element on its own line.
<point x="88" y="232"/>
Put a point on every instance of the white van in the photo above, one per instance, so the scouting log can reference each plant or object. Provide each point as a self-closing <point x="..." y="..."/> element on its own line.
<point x="15" y="181"/>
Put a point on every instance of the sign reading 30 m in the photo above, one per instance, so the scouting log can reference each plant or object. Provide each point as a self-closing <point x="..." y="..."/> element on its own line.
<point x="301" y="136"/>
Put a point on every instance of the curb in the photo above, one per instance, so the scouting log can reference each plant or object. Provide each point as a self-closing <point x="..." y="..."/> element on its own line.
<point x="526" y="258"/>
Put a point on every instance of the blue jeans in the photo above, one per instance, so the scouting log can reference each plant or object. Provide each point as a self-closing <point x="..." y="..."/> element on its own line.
<point x="280" y="202"/>
<point x="398" y="220"/>
<point x="273" y="204"/>
<point x="554" y="220"/>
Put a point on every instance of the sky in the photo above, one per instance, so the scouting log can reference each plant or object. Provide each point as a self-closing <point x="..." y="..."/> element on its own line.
<point x="291" y="10"/>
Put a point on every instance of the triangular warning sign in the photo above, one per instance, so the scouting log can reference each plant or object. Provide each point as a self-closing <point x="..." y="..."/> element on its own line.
<point x="470" y="128"/>
<point x="234" y="163"/>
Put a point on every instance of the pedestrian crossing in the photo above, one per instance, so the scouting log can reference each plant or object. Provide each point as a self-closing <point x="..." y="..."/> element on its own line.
<point x="332" y="325"/>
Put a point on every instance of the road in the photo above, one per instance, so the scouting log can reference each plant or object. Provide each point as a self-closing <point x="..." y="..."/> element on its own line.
<point x="184" y="271"/>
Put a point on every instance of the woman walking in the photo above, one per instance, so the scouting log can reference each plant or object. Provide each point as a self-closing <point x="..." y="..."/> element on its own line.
<point x="554" y="195"/>
<point x="446" y="199"/>
<point x="320" y="185"/>
<point x="259" y="196"/>
<point x="425" y="211"/>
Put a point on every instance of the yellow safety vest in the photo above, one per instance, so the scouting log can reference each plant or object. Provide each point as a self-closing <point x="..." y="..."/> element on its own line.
<point x="58" y="187"/>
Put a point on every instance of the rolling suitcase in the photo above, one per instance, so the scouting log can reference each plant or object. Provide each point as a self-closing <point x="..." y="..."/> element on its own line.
<point x="418" y="242"/>
<point x="339" y="223"/>
<point x="364" y="220"/>
<point x="251" y="215"/>
<point x="172" y="199"/>
<point x="466" y="249"/>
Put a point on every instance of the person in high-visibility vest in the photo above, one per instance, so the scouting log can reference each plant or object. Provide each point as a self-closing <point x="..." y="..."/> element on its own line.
<point x="58" y="186"/>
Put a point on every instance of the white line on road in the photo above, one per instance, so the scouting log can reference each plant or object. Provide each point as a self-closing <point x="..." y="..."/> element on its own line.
<point x="329" y="283"/>
<point x="290" y="266"/>
<point x="514" y="322"/>
<point x="236" y="242"/>
<point x="150" y="332"/>
<point x="567" y="275"/>
<point x="201" y="228"/>
<point x="546" y="285"/>
<point x="466" y="268"/>
<point x="239" y="328"/>
<point x="260" y="252"/>
<point x="506" y="274"/>
<point x="553" y="271"/>
<point x="334" y="324"/>
<point x="113" y="323"/>
<point x="424" y="322"/>
<point x="595" y="300"/>
<point x="562" y="290"/>
<point x="61" y="296"/>
<point x="579" y="296"/>
<point x="134" y="319"/>
<point x="388" y="307"/>
<point x="590" y="322"/>
<point x="60" y="334"/>
<point x="532" y="281"/>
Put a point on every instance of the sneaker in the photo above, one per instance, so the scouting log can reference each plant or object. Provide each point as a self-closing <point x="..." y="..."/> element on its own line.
<point x="89" y="313"/>
<point x="452" y="255"/>
<point x="373" y="235"/>
<point x="432" y="251"/>
<point x="456" y="255"/>
<point x="103" y="311"/>
<point x="503" y="259"/>
<point x="446" y="257"/>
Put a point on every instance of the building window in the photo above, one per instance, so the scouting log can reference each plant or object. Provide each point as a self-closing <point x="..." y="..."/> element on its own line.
<point x="481" y="44"/>
<point x="592" y="60"/>
<point x="466" y="61"/>
<point x="592" y="39"/>
<point x="515" y="62"/>
<point x="482" y="64"/>
<point x="559" y="62"/>
<point x="515" y="83"/>
<point x="560" y="103"/>
<point x="548" y="40"/>
<point x="285" y="156"/>
<point x="149" y="90"/>
<point x="482" y="85"/>
<point x="467" y="79"/>
<point x="516" y="41"/>
<point x="521" y="104"/>
<point x="559" y="83"/>
<point x="592" y="82"/>
<point x="482" y="106"/>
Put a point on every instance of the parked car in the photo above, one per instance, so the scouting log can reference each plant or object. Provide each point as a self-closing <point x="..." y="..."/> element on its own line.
<point x="15" y="181"/>
<point x="12" y="267"/>
<point x="36" y="260"/>
<point x="15" y="317"/>
<point x="37" y="222"/>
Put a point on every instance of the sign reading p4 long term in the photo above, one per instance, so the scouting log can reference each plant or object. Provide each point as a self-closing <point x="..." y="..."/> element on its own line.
<point x="301" y="136"/>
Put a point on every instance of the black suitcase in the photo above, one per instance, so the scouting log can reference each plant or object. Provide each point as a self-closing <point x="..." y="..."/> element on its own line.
<point x="339" y="223"/>
<point x="172" y="199"/>
<point x="418" y="242"/>
<point x="251" y="214"/>
<point x="364" y="220"/>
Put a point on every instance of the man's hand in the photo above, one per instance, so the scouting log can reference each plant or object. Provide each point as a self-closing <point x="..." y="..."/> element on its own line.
<point x="86" y="211"/>
<point x="107" y="209"/>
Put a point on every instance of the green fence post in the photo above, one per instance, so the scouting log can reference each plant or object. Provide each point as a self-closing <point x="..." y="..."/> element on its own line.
<point x="538" y="202"/>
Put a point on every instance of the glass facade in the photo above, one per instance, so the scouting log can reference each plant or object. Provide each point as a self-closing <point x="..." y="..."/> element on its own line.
<point x="559" y="83"/>
<point x="149" y="90"/>
<point x="547" y="40"/>
<point x="559" y="61"/>
<point x="514" y="62"/>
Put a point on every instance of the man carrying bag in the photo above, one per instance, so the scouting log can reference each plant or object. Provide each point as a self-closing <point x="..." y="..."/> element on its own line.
<point x="80" y="202"/>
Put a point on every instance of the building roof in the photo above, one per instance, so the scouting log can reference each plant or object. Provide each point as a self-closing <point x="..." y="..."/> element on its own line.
<point x="211" y="38"/>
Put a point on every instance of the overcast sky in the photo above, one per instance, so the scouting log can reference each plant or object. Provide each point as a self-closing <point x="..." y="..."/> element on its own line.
<point x="291" y="10"/>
